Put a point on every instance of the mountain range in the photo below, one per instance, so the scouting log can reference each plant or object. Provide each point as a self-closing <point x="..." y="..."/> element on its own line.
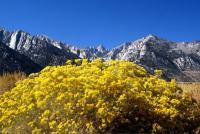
<point x="21" y="51"/>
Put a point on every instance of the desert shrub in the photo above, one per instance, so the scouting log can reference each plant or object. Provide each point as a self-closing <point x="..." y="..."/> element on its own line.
<point x="97" y="97"/>
<point x="8" y="80"/>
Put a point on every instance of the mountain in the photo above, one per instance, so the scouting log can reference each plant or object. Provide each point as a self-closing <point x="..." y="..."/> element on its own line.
<point x="179" y="60"/>
<point x="12" y="61"/>
<point x="89" y="53"/>
<point x="39" y="49"/>
<point x="45" y="51"/>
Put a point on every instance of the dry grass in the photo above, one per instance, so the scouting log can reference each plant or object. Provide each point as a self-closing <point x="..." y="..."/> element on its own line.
<point x="193" y="89"/>
<point x="8" y="80"/>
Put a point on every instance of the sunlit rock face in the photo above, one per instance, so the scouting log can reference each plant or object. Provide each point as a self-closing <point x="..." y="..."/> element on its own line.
<point x="177" y="60"/>
<point x="39" y="48"/>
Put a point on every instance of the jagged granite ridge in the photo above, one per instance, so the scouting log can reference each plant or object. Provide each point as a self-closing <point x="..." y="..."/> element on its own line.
<point x="39" y="49"/>
<point x="177" y="60"/>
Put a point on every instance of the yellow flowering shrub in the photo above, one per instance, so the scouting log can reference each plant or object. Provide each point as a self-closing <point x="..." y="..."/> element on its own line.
<point x="96" y="97"/>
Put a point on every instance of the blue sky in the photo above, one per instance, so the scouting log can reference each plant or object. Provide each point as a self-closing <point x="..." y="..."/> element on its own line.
<point x="107" y="22"/>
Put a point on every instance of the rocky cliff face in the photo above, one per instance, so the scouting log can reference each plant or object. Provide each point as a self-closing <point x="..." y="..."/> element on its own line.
<point x="39" y="49"/>
<point x="177" y="60"/>
<point x="45" y="51"/>
<point x="11" y="61"/>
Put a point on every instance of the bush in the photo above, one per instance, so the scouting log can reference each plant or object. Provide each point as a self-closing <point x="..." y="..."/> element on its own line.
<point x="97" y="97"/>
<point x="8" y="80"/>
